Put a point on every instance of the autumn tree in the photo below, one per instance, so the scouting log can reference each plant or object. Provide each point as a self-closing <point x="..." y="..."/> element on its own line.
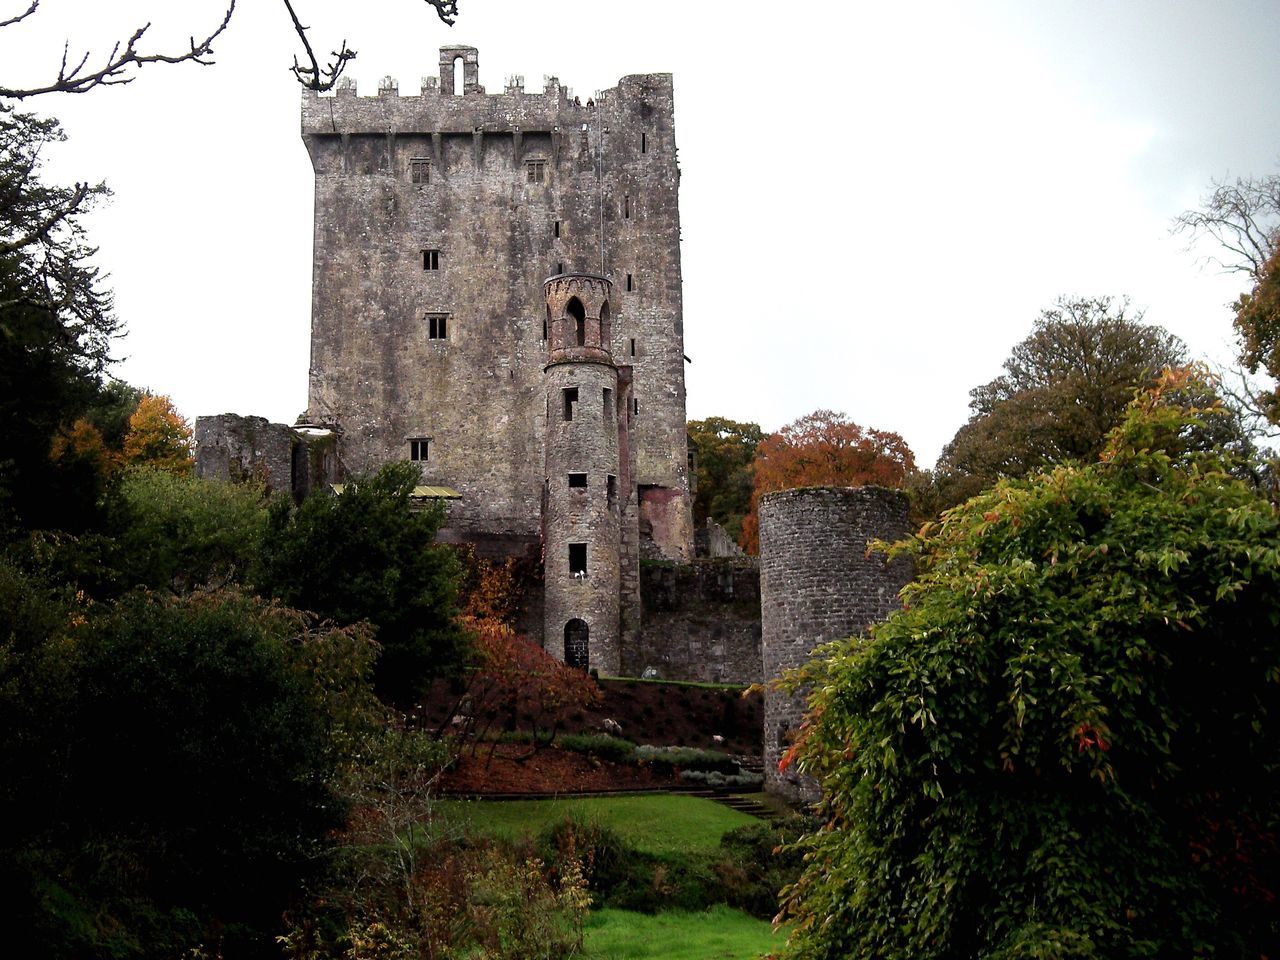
<point x="158" y="437"/>
<point x="1066" y="744"/>
<point x="723" y="450"/>
<point x="823" y="449"/>
<point x="1063" y="389"/>
<point x="1243" y="219"/>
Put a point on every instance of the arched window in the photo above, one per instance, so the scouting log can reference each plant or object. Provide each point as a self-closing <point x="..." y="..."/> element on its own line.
<point x="459" y="83"/>
<point x="575" y="309"/>
<point x="606" y="334"/>
<point x="577" y="644"/>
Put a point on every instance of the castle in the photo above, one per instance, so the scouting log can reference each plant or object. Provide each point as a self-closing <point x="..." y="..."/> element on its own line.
<point x="497" y="297"/>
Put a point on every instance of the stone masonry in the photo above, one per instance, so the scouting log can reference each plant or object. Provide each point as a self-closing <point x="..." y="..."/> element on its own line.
<point x="818" y="583"/>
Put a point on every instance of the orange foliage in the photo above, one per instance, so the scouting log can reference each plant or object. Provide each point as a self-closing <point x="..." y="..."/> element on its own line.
<point x="158" y="436"/>
<point x="491" y="588"/>
<point x="516" y="680"/>
<point x="820" y="450"/>
<point x="83" y="442"/>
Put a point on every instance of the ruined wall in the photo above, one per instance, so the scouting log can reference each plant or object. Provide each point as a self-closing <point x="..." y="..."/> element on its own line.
<point x="701" y="622"/>
<point x="235" y="448"/>
<point x="506" y="189"/>
<point x="818" y="584"/>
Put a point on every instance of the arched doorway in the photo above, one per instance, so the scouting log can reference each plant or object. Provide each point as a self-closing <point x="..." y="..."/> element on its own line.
<point x="576" y="644"/>
<point x="579" y="314"/>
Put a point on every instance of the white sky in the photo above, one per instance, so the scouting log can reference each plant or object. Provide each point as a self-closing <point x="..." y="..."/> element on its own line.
<point x="877" y="199"/>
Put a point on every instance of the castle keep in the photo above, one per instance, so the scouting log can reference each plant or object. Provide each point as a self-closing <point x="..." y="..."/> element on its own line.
<point x="551" y="411"/>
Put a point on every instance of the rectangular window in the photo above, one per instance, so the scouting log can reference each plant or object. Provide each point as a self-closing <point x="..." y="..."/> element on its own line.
<point x="644" y="143"/>
<point x="635" y="407"/>
<point x="611" y="490"/>
<point x="608" y="405"/>
<point x="420" y="449"/>
<point x="557" y="228"/>
<point x="437" y="326"/>
<point x="630" y="284"/>
<point x="430" y="259"/>
<point x="535" y="170"/>
<point x="578" y="559"/>
<point x="559" y="269"/>
<point x="633" y="346"/>
<point x="626" y="207"/>
<point x="577" y="481"/>
<point x="570" y="402"/>
<point x="420" y="170"/>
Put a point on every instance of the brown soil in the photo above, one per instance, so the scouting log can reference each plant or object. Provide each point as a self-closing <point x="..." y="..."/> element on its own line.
<point x="513" y="770"/>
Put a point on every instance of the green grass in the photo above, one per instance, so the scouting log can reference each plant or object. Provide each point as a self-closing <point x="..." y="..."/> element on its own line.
<point x="716" y="934"/>
<point x="655" y="823"/>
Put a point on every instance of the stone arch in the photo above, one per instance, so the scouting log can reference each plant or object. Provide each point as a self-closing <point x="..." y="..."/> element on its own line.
<point x="606" y="334"/>
<point x="459" y="68"/>
<point x="577" y="646"/>
<point x="575" y="309"/>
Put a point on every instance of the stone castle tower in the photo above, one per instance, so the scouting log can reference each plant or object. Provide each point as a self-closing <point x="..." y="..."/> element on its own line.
<point x="550" y="411"/>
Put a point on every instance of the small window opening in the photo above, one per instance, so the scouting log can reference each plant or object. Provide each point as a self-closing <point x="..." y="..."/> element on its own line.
<point x="544" y="324"/>
<point x="644" y="143"/>
<point x="630" y="283"/>
<point x="626" y="207"/>
<point x="559" y="269"/>
<point x="557" y="228"/>
<point x="570" y="402"/>
<point x="576" y="310"/>
<point x="577" y="481"/>
<point x="459" y="84"/>
<point x="430" y="259"/>
<point x="420" y="170"/>
<point x="611" y="490"/>
<point x="635" y="407"/>
<point x="437" y="326"/>
<point x="633" y="346"/>
<point x="535" y="170"/>
<point x="608" y="404"/>
<point x="420" y="449"/>
<point x="578" y="560"/>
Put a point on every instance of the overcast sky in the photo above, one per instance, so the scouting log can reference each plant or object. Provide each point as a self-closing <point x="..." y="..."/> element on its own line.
<point x="877" y="199"/>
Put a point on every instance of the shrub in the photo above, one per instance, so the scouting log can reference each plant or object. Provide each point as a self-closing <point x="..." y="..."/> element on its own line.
<point x="602" y="745"/>
<point x="687" y="759"/>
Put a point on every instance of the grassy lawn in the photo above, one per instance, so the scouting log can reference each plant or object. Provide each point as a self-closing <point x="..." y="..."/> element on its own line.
<point x="716" y="934"/>
<point x="653" y="823"/>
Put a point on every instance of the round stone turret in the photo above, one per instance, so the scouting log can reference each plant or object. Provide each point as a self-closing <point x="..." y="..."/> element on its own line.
<point x="583" y="496"/>
<point x="578" y="327"/>
<point x="818" y="583"/>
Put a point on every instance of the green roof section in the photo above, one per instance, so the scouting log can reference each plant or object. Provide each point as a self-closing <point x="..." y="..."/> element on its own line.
<point x="419" y="493"/>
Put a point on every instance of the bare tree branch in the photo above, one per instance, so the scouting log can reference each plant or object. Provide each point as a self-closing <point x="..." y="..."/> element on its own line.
<point x="316" y="77"/>
<point x="116" y="68"/>
<point x="1243" y="217"/>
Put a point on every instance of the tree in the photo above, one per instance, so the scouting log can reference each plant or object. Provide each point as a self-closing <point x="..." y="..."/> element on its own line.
<point x="158" y="437"/>
<point x="122" y="64"/>
<point x="724" y="450"/>
<point x="56" y="325"/>
<point x="370" y="554"/>
<point x="1243" y="218"/>
<point x="1066" y="743"/>
<point x="1064" y="387"/>
<point x="172" y="767"/>
<point x="823" y="449"/>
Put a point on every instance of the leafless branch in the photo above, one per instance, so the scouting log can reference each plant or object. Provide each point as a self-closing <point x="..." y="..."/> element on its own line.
<point x="1243" y="217"/>
<point x="446" y="10"/>
<point x="316" y="77"/>
<point x="116" y="69"/>
<point x="22" y="16"/>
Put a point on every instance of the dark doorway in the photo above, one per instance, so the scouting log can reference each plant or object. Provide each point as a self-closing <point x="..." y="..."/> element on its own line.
<point x="576" y="645"/>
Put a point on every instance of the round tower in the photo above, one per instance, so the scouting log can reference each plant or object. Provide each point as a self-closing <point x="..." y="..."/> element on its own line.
<point x="581" y="498"/>
<point x="818" y="583"/>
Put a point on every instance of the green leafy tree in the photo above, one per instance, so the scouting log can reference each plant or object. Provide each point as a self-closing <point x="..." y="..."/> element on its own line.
<point x="1066" y="744"/>
<point x="369" y="554"/>
<point x="1063" y="388"/>
<point x="180" y="532"/>
<point x="723" y="451"/>
<point x="173" y="767"/>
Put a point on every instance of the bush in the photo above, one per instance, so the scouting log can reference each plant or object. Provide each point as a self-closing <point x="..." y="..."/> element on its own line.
<point x="1066" y="745"/>
<point x="602" y="745"/>
<point x="687" y="759"/>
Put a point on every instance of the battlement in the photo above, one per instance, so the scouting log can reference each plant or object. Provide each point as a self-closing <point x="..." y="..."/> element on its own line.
<point x="440" y="107"/>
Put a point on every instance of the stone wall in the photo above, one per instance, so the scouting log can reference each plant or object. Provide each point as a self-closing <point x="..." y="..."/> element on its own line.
<point x="701" y="622"/>
<point x="507" y="189"/>
<point x="817" y="584"/>
<point x="235" y="448"/>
